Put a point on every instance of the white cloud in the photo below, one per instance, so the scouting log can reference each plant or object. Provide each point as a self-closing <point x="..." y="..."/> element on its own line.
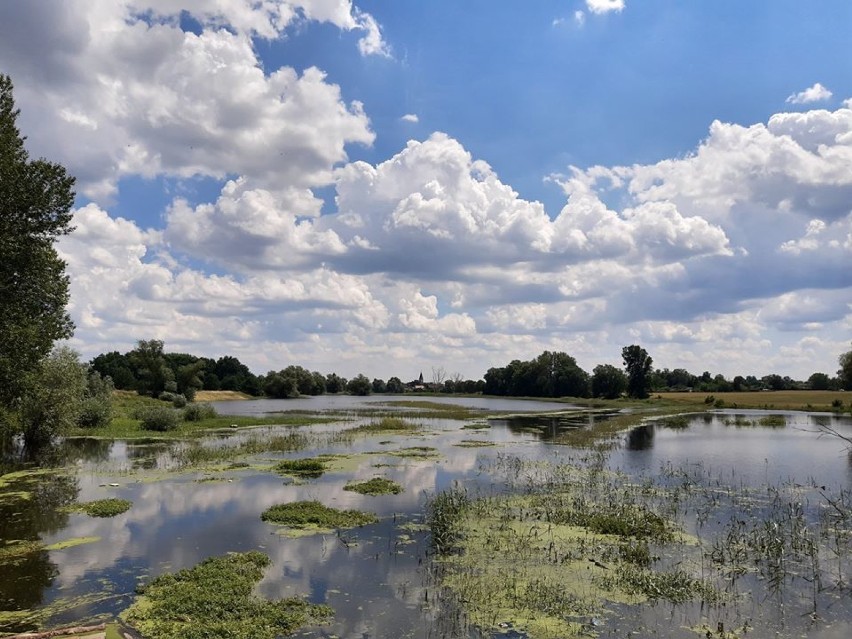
<point x="410" y="117"/>
<point x="816" y="93"/>
<point x="579" y="18"/>
<point x="604" y="6"/>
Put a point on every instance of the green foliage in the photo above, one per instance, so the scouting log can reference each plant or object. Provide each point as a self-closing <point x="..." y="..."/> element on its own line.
<point x="608" y="381"/>
<point x="551" y="374"/>
<point x="334" y="383"/>
<point x="819" y="381"/>
<point x="387" y="425"/>
<point x="53" y="397"/>
<point x="309" y="468"/>
<point x="359" y="385"/>
<point x="444" y="513"/>
<point x="199" y="412"/>
<point x="96" y="410"/>
<point x="280" y="387"/>
<point x="179" y="401"/>
<point x="104" y="507"/>
<point x="844" y="374"/>
<point x="638" y="364"/>
<point x="158" y="418"/>
<point x="216" y="600"/>
<point x="301" y="514"/>
<point x="35" y="209"/>
<point x="395" y="385"/>
<point x="152" y="374"/>
<point x="374" y="486"/>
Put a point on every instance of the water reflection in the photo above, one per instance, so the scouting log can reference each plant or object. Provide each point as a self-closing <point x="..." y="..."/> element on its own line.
<point x="375" y="577"/>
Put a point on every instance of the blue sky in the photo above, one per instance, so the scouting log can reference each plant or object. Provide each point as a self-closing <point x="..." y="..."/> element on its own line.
<point x="390" y="187"/>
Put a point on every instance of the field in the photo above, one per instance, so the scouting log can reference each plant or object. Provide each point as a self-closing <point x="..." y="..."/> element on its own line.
<point x="782" y="400"/>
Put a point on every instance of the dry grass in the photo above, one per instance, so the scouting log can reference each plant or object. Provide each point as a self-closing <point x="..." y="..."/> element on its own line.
<point x="219" y="396"/>
<point x="785" y="400"/>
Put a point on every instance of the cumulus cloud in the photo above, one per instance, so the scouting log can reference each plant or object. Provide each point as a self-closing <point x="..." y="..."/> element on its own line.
<point x="604" y="6"/>
<point x="816" y="93"/>
<point x="410" y="117"/>
<point x="130" y="93"/>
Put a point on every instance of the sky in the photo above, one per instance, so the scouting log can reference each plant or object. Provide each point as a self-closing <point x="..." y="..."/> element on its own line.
<point x="389" y="188"/>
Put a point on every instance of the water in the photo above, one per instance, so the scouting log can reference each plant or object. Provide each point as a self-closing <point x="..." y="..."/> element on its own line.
<point x="376" y="578"/>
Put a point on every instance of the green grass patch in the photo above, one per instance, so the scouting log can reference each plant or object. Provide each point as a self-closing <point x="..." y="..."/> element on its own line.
<point x="474" y="443"/>
<point x="773" y="421"/>
<point x="102" y="507"/>
<point x="417" y="452"/>
<point x="314" y="515"/>
<point x="311" y="467"/>
<point x="374" y="486"/>
<point x="386" y="425"/>
<point x="70" y="543"/>
<point x="215" y="599"/>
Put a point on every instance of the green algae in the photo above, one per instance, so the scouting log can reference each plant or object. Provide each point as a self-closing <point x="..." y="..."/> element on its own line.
<point x="314" y="516"/>
<point x="374" y="486"/>
<point x="70" y="543"/>
<point x="215" y="599"/>
<point x="109" y="507"/>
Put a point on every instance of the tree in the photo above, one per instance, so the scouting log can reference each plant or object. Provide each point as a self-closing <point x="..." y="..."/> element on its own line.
<point x="844" y="374"/>
<point x="819" y="381"/>
<point x="379" y="386"/>
<point x="638" y="363"/>
<point x="36" y="197"/>
<point x="608" y="381"/>
<point x="53" y="397"/>
<point x="395" y="385"/>
<point x="152" y="373"/>
<point x="359" y="385"/>
<point x="96" y="409"/>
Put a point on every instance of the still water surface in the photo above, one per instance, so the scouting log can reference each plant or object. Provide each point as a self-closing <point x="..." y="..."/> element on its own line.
<point x="377" y="577"/>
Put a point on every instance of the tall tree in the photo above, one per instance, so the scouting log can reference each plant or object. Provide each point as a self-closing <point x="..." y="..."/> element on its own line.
<point x="638" y="364"/>
<point x="36" y="197"/>
<point x="844" y="374"/>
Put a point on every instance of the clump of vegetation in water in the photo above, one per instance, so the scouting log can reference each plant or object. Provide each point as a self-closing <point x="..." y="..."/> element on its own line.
<point x="422" y="452"/>
<point x="387" y="425"/>
<point x="308" y="467"/>
<point x="676" y="422"/>
<point x="215" y="599"/>
<point x="773" y="421"/>
<point x="103" y="507"/>
<point x="475" y="443"/>
<point x="443" y="516"/>
<point x="313" y="514"/>
<point x="374" y="486"/>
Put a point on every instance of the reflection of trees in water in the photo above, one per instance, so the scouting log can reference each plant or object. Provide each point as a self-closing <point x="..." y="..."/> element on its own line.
<point x="641" y="437"/>
<point x="26" y="577"/>
<point x="147" y="456"/>
<point x="86" y="449"/>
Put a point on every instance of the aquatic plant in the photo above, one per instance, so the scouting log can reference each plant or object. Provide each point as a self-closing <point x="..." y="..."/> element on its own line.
<point x="215" y="599"/>
<point x="374" y="486"/>
<point x="444" y="512"/>
<point x="301" y="514"/>
<point x="103" y="507"/>
<point x="386" y="425"/>
<point x="308" y="467"/>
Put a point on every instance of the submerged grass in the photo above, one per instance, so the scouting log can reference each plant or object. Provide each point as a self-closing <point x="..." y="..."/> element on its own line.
<point x="215" y="599"/>
<point x="314" y="515"/>
<point x="374" y="486"/>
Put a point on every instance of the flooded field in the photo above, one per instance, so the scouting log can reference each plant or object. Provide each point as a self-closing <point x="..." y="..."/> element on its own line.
<point x="715" y="525"/>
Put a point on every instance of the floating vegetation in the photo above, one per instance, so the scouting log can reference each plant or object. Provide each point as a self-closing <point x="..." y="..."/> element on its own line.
<point x="739" y="421"/>
<point x="474" y="443"/>
<point x="215" y="599"/>
<point x="386" y="425"/>
<point x="773" y="421"/>
<point x="310" y="467"/>
<point x="477" y="426"/>
<point x="374" y="486"/>
<point x="419" y="452"/>
<point x="102" y="507"/>
<point x="676" y="422"/>
<point x="315" y="516"/>
<point x="70" y="543"/>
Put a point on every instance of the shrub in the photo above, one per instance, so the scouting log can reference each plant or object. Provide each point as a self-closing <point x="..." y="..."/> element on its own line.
<point x="198" y="412"/>
<point x="179" y="401"/>
<point x="159" y="418"/>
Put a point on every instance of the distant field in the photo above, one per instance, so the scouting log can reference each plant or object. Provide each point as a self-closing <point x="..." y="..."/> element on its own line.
<point x="219" y="396"/>
<point x="800" y="399"/>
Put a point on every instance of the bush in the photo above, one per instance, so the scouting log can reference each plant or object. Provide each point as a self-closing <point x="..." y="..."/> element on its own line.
<point x="198" y="412"/>
<point x="159" y="418"/>
<point x="179" y="401"/>
<point x="95" y="413"/>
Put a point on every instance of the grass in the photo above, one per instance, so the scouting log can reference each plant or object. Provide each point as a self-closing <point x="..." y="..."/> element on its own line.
<point x="125" y="425"/>
<point x="374" y="486"/>
<point x="386" y="425"/>
<point x="102" y="507"/>
<point x="216" y="599"/>
<point x="782" y="400"/>
<point x="417" y="452"/>
<point x="309" y="467"/>
<point x="314" y="515"/>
